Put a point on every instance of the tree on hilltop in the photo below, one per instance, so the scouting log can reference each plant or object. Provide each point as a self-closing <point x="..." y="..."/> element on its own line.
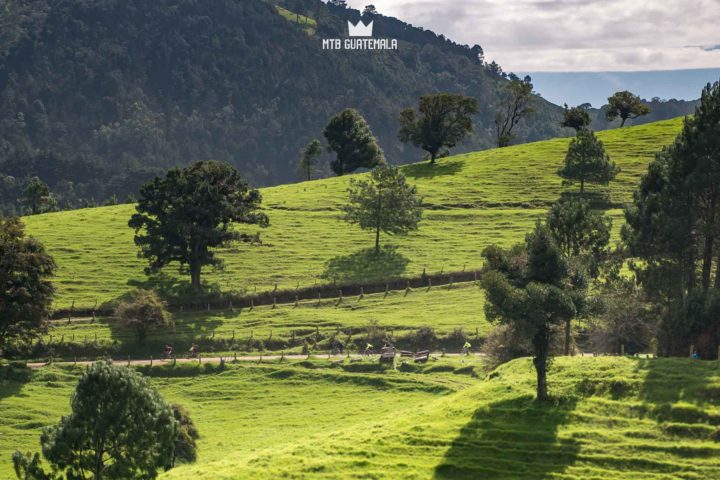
<point x="586" y="161"/>
<point x="625" y="105"/>
<point x="441" y="120"/>
<point x="118" y="427"/>
<point x="576" y="118"/>
<point x="355" y="146"/>
<point x="184" y="216"/>
<point x="309" y="158"/>
<point x="515" y="103"/>
<point x="27" y="293"/>
<point x="384" y="203"/>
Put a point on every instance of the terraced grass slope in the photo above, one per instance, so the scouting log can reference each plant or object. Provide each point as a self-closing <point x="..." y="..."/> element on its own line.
<point x="473" y="200"/>
<point x="613" y="418"/>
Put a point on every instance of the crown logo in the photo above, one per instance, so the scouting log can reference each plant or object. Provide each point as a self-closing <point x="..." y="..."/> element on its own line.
<point x="360" y="30"/>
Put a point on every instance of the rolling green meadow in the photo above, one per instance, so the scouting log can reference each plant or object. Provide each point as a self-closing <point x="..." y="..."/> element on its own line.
<point x="625" y="418"/>
<point x="613" y="418"/>
<point x="472" y="200"/>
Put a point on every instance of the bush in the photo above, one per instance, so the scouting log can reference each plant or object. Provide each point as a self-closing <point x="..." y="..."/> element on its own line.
<point x="503" y="345"/>
<point x="185" y="445"/>
<point x="143" y="311"/>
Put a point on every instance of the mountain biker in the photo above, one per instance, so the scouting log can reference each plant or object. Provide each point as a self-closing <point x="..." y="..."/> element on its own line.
<point x="466" y="348"/>
<point x="194" y="350"/>
<point x="368" y="348"/>
<point x="169" y="350"/>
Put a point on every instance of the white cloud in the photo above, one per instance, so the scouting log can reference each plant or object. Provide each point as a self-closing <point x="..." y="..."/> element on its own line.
<point x="573" y="35"/>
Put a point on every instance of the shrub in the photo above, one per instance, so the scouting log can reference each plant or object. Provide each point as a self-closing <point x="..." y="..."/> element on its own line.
<point x="143" y="311"/>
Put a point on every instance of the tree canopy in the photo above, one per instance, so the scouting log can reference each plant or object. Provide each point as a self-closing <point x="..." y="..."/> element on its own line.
<point x="185" y="215"/>
<point x="515" y="103"/>
<point x="625" y="105"/>
<point x="384" y="203"/>
<point x="441" y="120"/>
<point x="576" y="118"/>
<point x="355" y="146"/>
<point x="27" y="293"/>
<point x="533" y="288"/>
<point x="142" y="311"/>
<point x="586" y="161"/>
<point x="673" y="226"/>
<point x="118" y="427"/>
<point x="308" y="163"/>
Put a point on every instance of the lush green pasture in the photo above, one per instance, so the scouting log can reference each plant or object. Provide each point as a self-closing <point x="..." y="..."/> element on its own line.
<point x="612" y="418"/>
<point x="243" y="408"/>
<point x="615" y="418"/>
<point x="399" y="313"/>
<point x="473" y="200"/>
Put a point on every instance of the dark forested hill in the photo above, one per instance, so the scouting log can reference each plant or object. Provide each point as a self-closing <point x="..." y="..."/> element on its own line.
<point x="96" y="96"/>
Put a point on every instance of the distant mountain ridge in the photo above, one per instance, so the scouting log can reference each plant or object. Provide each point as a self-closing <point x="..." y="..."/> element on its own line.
<point x="98" y="96"/>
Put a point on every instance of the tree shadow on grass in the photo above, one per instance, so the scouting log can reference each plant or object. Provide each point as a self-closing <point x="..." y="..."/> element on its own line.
<point x="365" y="265"/>
<point x="429" y="170"/>
<point x="666" y="381"/>
<point x="515" y="439"/>
<point x="175" y="290"/>
<point x="12" y="379"/>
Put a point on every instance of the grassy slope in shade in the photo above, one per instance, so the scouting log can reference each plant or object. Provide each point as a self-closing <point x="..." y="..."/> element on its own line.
<point x="614" y="418"/>
<point x="474" y="200"/>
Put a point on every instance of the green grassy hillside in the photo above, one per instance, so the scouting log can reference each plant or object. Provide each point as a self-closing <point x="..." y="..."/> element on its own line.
<point x="285" y="327"/>
<point x="613" y="418"/>
<point x="473" y="200"/>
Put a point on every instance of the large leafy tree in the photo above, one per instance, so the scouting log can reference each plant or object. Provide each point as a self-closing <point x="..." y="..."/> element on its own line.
<point x="576" y="118"/>
<point x="673" y="225"/>
<point x="384" y="203"/>
<point x="625" y="105"/>
<point x="118" y="427"/>
<point x="583" y="236"/>
<point x="587" y="162"/>
<point x="26" y="292"/>
<point x="355" y="146"/>
<point x="515" y="103"/>
<point x="441" y="121"/>
<point x="532" y="288"/>
<point x="184" y="216"/>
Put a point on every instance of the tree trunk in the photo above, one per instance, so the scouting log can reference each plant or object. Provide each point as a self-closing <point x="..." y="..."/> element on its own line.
<point x="709" y="244"/>
<point x="433" y="156"/>
<point x="717" y="271"/>
<point x="195" y="269"/>
<point x="567" y="337"/>
<point x="582" y="188"/>
<point x="541" y="343"/>
<point x="707" y="262"/>
<point x="377" y="241"/>
<point x="622" y="124"/>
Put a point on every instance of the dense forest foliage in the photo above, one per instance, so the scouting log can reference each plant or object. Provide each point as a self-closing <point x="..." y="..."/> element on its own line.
<point x="98" y="96"/>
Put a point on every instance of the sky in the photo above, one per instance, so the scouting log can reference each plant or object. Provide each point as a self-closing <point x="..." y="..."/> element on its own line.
<point x="573" y="35"/>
